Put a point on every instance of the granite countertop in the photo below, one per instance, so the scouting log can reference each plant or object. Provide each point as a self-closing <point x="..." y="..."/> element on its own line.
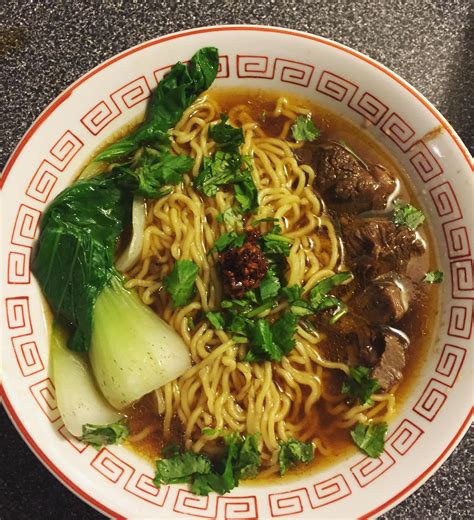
<point x="45" y="46"/>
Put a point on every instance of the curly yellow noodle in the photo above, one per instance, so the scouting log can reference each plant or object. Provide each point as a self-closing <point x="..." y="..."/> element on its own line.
<point x="221" y="391"/>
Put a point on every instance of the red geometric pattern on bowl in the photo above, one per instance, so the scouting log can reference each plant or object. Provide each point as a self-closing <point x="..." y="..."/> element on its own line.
<point x="45" y="396"/>
<point x="27" y="356"/>
<point x="288" y="503"/>
<point x="18" y="315"/>
<point x="223" y="70"/>
<point x="112" y="467"/>
<point x="424" y="162"/>
<point x="73" y="441"/>
<point x="341" y="89"/>
<point x="460" y="319"/>
<point x="65" y="149"/>
<point x="141" y="485"/>
<point x="132" y="93"/>
<point x="457" y="240"/>
<point x="100" y="116"/>
<point x="446" y="202"/>
<point x="399" y="131"/>
<point x="462" y="275"/>
<point x="287" y="71"/>
<point x="431" y="401"/>
<point x="367" y="470"/>
<point x="42" y="182"/>
<point x="19" y="266"/>
<point x="404" y="437"/>
<point x="26" y="225"/>
<point x="212" y="506"/>
<point x="325" y="492"/>
<point x="330" y="490"/>
<point x="450" y="363"/>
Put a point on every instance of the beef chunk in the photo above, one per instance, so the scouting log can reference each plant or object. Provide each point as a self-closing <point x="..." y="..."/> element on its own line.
<point x="243" y="267"/>
<point x="340" y="177"/>
<point x="389" y="369"/>
<point x="377" y="246"/>
<point x="386" y="299"/>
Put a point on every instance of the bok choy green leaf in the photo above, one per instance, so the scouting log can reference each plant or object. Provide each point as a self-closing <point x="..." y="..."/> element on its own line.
<point x="174" y="93"/>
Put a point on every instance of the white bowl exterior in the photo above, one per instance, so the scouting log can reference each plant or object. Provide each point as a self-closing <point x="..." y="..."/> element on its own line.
<point x="63" y="139"/>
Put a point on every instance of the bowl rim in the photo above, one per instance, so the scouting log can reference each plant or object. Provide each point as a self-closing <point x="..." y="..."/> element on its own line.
<point x="66" y="93"/>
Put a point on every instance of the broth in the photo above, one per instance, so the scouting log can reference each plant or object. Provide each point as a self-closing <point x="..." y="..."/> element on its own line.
<point x="417" y="323"/>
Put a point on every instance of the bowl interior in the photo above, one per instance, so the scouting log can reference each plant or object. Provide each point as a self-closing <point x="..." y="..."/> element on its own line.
<point x="91" y="111"/>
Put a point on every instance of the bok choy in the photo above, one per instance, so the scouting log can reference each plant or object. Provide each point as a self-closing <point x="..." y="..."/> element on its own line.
<point x="131" y="350"/>
<point x="79" y="400"/>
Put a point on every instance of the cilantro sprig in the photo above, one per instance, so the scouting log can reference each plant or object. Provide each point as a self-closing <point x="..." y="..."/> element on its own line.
<point x="371" y="438"/>
<point x="180" y="282"/>
<point x="100" y="435"/>
<point x="360" y="385"/>
<point x="303" y="129"/>
<point x="294" y="452"/>
<point x="241" y="461"/>
<point x="228" y="166"/>
<point x="433" y="277"/>
<point x="405" y="214"/>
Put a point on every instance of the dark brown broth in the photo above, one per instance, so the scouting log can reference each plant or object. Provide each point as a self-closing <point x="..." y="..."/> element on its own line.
<point x="417" y="324"/>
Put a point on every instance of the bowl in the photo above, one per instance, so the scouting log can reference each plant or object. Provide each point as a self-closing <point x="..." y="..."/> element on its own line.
<point x="429" y="423"/>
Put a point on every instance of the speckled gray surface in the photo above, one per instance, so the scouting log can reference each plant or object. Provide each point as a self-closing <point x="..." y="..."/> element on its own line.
<point x="45" y="46"/>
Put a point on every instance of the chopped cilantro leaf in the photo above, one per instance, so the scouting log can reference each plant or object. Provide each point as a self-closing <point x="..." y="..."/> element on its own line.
<point x="180" y="282"/>
<point x="434" y="277"/>
<point x="262" y="346"/>
<point x="216" y="319"/>
<point x="249" y="458"/>
<point x="217" y="171"/>
<point x="269" y="286"/>
<point x="228" y="240"/>
<point x="180" y="468"/>
<point x="246" y="192"/>
<point x="303" y="129"/>
<point x="371" y="438"/>
<point x="99" y="435"/>
<point x="274" y="242"/>
<point x="242" y="460"/>
<point x="407" y="215"/>
<point x="225" y="135"/>
<point x="360" y="385"/>
<point x="283" y="331"/>
<point x="293" y="452"/>
<point x="231" y="218"/>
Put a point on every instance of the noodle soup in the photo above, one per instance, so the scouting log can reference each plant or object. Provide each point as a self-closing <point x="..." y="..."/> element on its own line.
<point x="301" y="396"/>
<point x="241" y="286"/>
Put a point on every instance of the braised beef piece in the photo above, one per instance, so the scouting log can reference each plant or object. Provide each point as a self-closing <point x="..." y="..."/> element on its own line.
<point x="340" y="177"/>
<point x="389" y="369"/>
<point x="386" y="299"/>
<point x="377" y="246"/>
<point x="243" y="268"/>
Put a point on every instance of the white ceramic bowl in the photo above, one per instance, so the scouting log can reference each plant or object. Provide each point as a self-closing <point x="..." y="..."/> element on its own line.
<point x="430" y="423"/>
